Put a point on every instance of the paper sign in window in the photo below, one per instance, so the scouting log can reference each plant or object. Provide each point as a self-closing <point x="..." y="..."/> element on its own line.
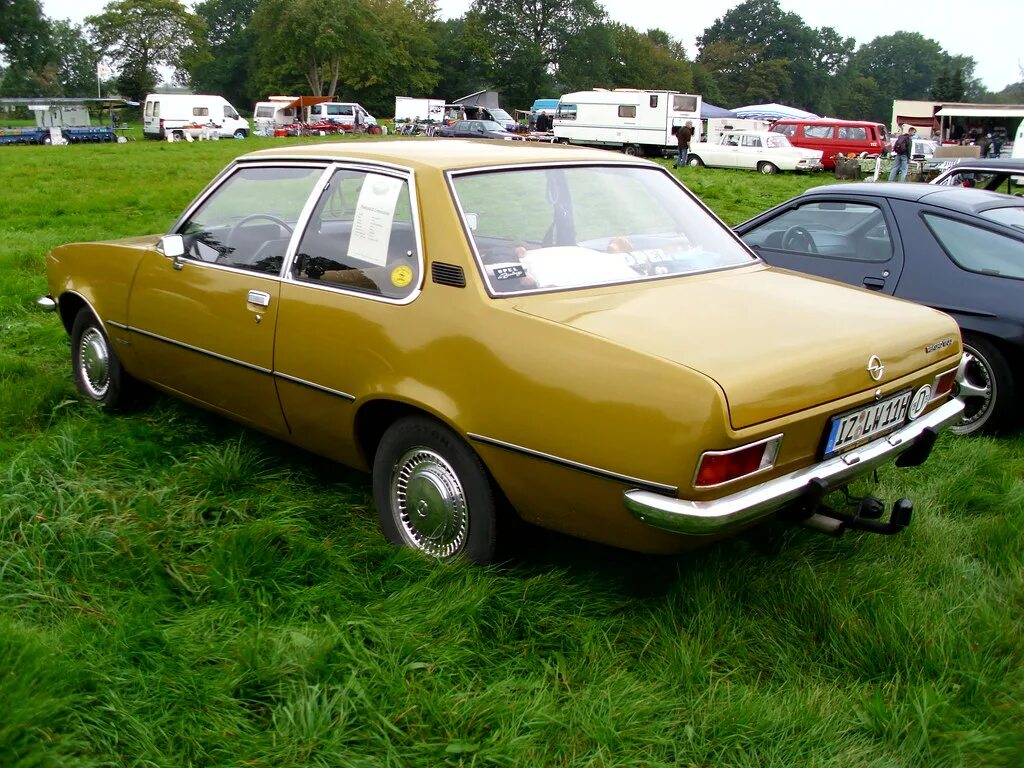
<point x="375" y="213"/>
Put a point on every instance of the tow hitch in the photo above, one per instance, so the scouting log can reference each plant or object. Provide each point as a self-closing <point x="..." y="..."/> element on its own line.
<point x="813" y="513"/>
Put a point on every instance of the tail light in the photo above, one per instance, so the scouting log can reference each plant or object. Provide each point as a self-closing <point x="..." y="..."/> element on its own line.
<point x="720" y="467"/>
<point x="943" y="383"/>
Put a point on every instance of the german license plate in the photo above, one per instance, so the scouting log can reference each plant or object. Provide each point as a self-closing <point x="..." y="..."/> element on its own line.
<point x="859" y="426"/>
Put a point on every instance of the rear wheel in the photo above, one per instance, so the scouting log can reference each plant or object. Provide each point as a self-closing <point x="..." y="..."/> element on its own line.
<point x="95" y="365"/>
<point x="433" y="493"/>
<point x="694" y="162"/>
<point x="767" y="168"/>
<point x="986" y="384"/>
<point x="633" y="150"/>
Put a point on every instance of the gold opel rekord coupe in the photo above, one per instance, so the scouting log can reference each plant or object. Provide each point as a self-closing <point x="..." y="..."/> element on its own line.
<point x="566" y="333"/>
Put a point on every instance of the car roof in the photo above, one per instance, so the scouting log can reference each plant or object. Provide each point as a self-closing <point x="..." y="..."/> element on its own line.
<point x="441" y="154"/>
<point x="986" y="164"/>
<point x="954" y="198"/>
<point x="824" y="121"/>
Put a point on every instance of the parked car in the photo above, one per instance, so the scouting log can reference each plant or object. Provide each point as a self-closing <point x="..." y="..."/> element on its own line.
<point x="476" y="129"/>
<point x="958" y="250"/>
<point x="835" y="137"/>
<point x="1002" y="175"/>
<point x="755" y="150"/>
<point x="603" y="355"/>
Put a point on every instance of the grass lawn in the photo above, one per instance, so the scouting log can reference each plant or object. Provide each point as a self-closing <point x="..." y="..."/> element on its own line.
<point x="179" y="591"/>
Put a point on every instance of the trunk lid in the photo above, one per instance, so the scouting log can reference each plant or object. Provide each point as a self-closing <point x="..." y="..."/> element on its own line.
<point x="775" y="342"/>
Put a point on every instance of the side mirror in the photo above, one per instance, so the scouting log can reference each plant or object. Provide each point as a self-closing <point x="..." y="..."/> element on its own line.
<point x="171" y="246"/>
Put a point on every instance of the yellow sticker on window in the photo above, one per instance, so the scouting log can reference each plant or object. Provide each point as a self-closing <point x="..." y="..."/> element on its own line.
<point x="401" y="276"/>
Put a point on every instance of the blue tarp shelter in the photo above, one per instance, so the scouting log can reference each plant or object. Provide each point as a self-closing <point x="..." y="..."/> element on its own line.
<point x="772" y="112"/>
<point x="710" y="110"/>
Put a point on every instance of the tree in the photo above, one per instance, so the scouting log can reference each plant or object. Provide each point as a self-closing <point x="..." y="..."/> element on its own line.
<point x="462" y="59"/>
<point x="26" y="46"/>
<point x="528" y="40"/>
<point x="139" y="35"/>
<point x="651" y="60"/>
<point x="222" y="61"/>
<point x="75" y="59"/>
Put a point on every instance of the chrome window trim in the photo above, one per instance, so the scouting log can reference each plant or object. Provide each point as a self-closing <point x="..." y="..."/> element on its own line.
<point x="388" y="169"/>
<point x="452" y="174"/>
<point x="579" y="466"/>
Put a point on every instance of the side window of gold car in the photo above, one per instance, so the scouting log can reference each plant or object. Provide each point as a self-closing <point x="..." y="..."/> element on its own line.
<point x="247" y="221"/>
<point x="361" y="237"/>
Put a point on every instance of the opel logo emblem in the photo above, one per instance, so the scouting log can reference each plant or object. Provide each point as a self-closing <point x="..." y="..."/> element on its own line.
<point x="875" y="368"/>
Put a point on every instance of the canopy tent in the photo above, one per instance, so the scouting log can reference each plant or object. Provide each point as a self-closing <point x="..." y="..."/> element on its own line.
<point x="710" y="110"/>
<point x="772" y="112"/>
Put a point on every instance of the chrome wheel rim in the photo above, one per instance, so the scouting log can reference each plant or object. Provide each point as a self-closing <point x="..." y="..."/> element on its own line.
<point x="94" y="363"/>
<point x="977" y="388"/>
<point x="429" y="503"/>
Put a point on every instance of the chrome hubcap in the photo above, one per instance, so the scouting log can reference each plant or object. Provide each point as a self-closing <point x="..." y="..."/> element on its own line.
<point x="429" y="503"/>
<point x="976" y="388"/>
<point x="94" y="363"/>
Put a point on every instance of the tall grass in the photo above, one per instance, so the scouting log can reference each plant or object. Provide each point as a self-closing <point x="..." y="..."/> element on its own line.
<point x="178" y="591"/>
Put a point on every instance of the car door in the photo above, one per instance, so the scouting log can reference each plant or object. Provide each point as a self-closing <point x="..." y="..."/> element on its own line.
<point x="727" y="151"/>
<point x="345" y="311"/>
<point x="851" y="239"/>
<point x="203" y="325"/>
<point x="750" y="152"/>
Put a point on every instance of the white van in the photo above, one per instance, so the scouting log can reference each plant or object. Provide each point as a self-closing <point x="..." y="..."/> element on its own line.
<point x="343" y="113"/>
<point x="276" y="112"/>
<point x="179" y="114"/>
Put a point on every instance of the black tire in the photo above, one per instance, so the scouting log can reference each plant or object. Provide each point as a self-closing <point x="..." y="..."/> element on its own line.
<point x="767" y="168"/>
<point x="241" y="133"/>
<point x="633" y="150"/>
<point x="988" y="388"/>
<point x="694" y="162"/>
<point x="96" y="368"/>
<point x="422" y="462"/>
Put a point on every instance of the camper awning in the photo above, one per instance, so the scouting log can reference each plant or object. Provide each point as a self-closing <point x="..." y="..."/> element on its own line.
<point x="980" y="112"/>
<point x="307" y="101"/>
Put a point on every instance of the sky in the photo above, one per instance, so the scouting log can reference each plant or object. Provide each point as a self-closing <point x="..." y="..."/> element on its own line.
<point x="991" y="32"/>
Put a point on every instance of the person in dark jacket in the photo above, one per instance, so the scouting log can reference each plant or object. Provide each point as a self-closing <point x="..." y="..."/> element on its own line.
<point x="683" y="135"/>
<point x="901" y="155"/>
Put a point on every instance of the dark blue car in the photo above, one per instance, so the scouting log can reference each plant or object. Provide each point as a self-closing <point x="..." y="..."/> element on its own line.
<point x="955" y="249"/>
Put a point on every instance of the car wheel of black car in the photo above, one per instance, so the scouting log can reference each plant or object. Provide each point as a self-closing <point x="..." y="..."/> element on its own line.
<point x="96" y="367"/>
<point x="694" y="162"/>
<point x="767" y="168"/>
<point x="986" y="384"/>
<point x="433" y="493"/>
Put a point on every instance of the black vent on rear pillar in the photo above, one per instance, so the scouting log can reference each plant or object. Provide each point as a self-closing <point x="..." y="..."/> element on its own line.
<point x="447" y="274"/>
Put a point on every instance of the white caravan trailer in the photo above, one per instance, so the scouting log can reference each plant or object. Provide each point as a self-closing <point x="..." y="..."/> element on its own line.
<point x="181" y="113"/>
<point x="637" y="122"/>
<point x="275" y="112"/>
<point x="408" y="109"/>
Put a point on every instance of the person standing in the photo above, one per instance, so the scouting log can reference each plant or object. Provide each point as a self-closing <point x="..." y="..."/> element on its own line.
<point x="901" y="155"/>
<point x="683" y="135"/>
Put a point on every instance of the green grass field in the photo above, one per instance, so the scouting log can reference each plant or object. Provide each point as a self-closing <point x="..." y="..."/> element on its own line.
<point x="178" y="591"/>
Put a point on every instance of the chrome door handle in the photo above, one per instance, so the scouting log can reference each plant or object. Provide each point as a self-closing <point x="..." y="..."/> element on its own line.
<point x="259" y="298"/>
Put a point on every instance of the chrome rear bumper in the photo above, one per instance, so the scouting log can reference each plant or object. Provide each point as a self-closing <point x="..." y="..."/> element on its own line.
<point x="708" y="517"/>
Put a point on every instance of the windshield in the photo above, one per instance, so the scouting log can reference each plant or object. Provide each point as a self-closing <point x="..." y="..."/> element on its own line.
<point x="501" y="116"/>
<point x="582" y="226"/>
<point x="776" y="141"/>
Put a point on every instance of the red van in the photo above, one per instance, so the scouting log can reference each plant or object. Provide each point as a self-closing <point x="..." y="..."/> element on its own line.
<point x="834" y="137"/>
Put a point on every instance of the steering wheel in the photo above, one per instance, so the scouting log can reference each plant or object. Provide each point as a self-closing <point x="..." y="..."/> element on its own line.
<point x="799" y="239"/>
<point x="251" y="217"/>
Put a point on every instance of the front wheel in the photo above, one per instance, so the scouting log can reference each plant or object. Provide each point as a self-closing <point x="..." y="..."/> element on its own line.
<point x="986" y="384"/>
<point x="633" y="150"/>
<point x="767" y="168"/>
<point x="433" y="493"/>
<point x="694" y="162"/>
<point x="241" y="134"/>
<point x="95" y="365"/>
